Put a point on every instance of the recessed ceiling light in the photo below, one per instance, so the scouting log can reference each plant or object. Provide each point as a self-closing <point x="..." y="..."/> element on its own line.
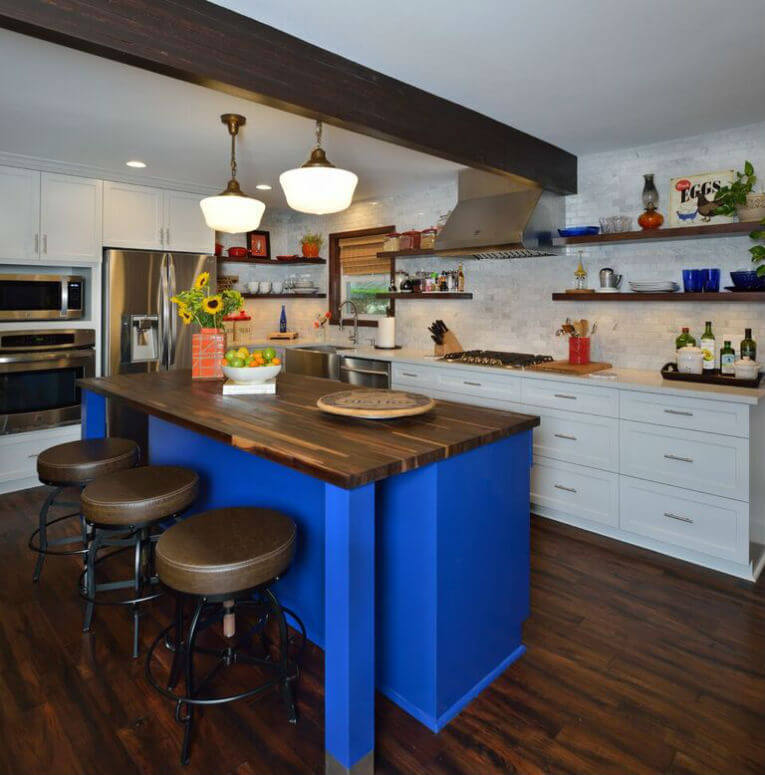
<point x="135" y="163"/>
<point x="263" y="187"/>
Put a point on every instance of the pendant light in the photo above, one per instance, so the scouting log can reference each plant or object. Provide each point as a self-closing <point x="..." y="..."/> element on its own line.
<point x="318" y="187"/>
<point x="232" y="210"/>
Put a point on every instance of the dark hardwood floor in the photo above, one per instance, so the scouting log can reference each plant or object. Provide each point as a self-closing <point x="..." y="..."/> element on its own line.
<point x="635" y="664"/>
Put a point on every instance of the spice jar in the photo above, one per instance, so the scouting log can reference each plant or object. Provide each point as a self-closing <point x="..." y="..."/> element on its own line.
<point x="427" y="239"/>
<point x="392" y="241"/>
<point x="409" y="240"/>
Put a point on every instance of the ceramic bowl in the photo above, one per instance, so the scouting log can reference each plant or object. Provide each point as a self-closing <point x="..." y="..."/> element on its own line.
<point x="747" y="280"/>
<point x="252" y="287"/>
<point x="248" y="375"/>
<point x="746" y="368"/>
<point x="237" y="252"/>
<point x="265" y="286"/>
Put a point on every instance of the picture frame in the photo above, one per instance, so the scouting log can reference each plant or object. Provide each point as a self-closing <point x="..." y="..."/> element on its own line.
<point x="259" y="244"/>
<point x="684" y="195"/>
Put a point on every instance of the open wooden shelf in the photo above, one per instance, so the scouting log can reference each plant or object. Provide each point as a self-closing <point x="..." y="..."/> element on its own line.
<point x="284" y="295"/>
<point x="657" y="235"/>
<point x="407" y="253"/>
<point x="272" y="261"/>
<point x="705" y="297"/>
<point x="445" y="295"/>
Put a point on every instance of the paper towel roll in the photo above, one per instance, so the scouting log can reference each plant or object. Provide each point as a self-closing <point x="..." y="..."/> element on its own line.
<point x="386" y="333"/>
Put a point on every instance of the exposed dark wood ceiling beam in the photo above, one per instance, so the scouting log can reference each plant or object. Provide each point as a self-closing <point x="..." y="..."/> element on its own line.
<point x="203" y="43"/>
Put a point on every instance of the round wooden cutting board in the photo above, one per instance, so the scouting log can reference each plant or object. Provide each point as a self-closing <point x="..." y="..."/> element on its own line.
<point x="375" y="404"/>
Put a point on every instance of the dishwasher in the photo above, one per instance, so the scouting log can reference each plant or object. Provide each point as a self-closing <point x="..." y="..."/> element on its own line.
<point x="364" y="372"/>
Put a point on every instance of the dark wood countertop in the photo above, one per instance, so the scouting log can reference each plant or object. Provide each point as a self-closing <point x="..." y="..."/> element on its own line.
<point x="289" y="429"/>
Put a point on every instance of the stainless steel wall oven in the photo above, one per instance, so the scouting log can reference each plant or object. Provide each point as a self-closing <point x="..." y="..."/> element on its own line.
<point x="38" y="377"/>
<point x="41" y="297"/>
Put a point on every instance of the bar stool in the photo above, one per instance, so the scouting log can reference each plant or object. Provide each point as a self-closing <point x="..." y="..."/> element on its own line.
<point x="122" y="509"/>
<point x="225" y="560"/>
<point x="74" y="464"/>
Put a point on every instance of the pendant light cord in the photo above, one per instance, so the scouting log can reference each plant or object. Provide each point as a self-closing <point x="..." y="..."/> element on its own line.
<point x="318" y="134"/>
<point x="233" y="155"/>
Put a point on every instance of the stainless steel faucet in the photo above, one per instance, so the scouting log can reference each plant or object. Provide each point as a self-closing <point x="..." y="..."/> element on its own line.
<point x="354" y="337"/>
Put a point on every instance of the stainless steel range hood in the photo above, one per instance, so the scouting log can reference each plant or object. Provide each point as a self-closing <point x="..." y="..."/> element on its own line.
<point x="500" y="217"/>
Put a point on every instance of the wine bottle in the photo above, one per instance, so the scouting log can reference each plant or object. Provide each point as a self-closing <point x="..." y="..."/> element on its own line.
<point x="685" y="339"/>
<point x="283" y="321"/>
<point x="727" y="357"/>
<point x="748" y="345"/>
<point x="708" y="347"/>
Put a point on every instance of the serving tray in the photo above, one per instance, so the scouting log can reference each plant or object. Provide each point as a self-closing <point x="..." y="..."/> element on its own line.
<point x="375" y="404"/>
<point x="669" y="371"/>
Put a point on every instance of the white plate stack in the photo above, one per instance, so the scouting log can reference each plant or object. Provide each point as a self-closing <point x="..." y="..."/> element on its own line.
<point x="654" y="286"/>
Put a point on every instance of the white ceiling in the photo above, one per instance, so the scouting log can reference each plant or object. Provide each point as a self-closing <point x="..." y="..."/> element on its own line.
<point x="64" y="105"/>
<point x="587" y="75"/>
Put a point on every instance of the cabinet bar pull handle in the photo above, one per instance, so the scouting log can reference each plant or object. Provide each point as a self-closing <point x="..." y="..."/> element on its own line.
<point x="36" y="454"/>
<point x="567" y="489"/>
<point x="161" y="236"/>
<point x="565" y="436"/>
<point x="475" y="384"/>
<point x="167" y="236"/>
<point x="679" y="458"/>
<point x="563" y="395"/>
<point x="408" y="374"/>
<point x="45" y="244"/>
<point x="37" y="243"/>
<point x="676" y="411"/>
<point x="678" y="517"/>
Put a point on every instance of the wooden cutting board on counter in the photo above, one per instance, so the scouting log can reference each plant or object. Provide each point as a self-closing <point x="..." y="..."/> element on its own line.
<point x="564" y="367"/>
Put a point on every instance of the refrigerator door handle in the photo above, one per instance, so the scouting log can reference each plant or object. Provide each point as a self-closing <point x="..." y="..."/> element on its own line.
<point x="163" y="300"/>
<point x="172" y="330"/>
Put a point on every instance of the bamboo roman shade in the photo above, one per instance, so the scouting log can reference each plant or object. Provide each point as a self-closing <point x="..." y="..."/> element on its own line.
<point x="358" y="255"/>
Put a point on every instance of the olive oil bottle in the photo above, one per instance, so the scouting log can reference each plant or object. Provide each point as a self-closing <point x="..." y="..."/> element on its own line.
<point x="685" y="339"/>
<point x="727" y="357"/>
<point x="708" y="347"/>
<point x="748" y="345"/>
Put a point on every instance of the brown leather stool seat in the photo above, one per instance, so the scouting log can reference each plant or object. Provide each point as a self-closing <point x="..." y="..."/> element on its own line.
<point x="225" y="550"/>
<point x="139" y="495"/>
<point x="78" y="462"/>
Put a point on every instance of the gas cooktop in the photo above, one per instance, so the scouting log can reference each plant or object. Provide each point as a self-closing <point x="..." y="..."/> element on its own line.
<point x="496" y="358"/>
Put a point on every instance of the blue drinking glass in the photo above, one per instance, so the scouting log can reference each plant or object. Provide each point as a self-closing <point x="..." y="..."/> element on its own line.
<point x="713" y="281"/>
<point x="690" y="280"/>
<point x="703" y="279"/>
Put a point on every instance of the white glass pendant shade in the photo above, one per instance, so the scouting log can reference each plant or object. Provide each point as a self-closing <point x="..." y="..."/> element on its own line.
<point x="231" y="213"/>
<point x="318" y="190"/>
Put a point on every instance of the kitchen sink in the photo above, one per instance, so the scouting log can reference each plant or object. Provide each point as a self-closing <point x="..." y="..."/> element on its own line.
<point x="322" y="348"/>
<point x="333" y="362"/>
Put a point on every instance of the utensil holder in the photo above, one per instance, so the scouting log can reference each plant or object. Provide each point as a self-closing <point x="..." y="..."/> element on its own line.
<point x="579" y="350"/>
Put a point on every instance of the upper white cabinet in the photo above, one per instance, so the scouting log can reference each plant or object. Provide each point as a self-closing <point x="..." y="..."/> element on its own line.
<point x="148" y="218"/>
<point x="185" y="227"/>
<point x="133" y="216"/>
<point x="19" y="214"/>
<point x="70" y="218"/>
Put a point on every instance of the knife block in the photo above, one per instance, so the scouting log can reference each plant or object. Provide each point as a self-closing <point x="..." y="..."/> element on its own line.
<point x="450" y="345"/>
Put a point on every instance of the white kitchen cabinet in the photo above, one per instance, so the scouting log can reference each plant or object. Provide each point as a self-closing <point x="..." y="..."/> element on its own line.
<point x="574" y="397"/>
<point x="134" y="216"/>
<point x="70" y="218"/>
<point x="147" y="218"/>
<point x="19" y="214"/>
<point x="185" y="227"/>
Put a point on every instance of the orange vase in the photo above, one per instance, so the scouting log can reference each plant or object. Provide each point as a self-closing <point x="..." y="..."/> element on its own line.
<point x="651" y="219"/>
<point x="207" y="350"/>
<point x="310" y="250"/>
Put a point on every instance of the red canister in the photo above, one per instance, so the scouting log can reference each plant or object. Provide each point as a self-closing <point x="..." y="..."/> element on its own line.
<point x="579" y="350"/>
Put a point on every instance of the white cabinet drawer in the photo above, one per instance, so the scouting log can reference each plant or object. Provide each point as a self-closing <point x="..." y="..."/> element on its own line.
<point x="699" y="461"/>
<point x="576" y="491"/>
<point x="19" y="451"/>
<point x="694" y="414"/>
<point x="692" y="520"/>
<point x="553" y="394"/>
<point x="577" y="438"/>
<point x="505" y="387"/>
<point x="407" y="374"/>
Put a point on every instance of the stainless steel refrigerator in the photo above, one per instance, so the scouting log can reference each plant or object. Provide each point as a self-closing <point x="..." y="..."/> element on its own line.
<point x="141" y="328"/>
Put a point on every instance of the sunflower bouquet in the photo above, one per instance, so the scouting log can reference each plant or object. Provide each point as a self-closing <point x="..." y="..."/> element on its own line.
<point x="198" y="305"/>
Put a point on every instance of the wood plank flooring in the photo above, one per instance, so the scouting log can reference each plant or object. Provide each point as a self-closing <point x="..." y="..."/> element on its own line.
<point x="635" y="664"/>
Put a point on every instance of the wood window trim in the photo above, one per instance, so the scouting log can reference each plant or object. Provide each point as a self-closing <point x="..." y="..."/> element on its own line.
<point x="335" y="271"/>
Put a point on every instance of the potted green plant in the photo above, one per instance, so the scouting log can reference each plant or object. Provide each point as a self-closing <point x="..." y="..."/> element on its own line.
<point x="311" y="245"/>
<point x="758" y="251"/>
<point x="739" y="199"/>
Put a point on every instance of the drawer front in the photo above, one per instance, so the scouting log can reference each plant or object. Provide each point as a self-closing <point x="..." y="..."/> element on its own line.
<point x="577" y="438"/>
<point x="699" y="461"/>
<point x="505" y="387"/>
<point x="414" y="376"/>
<point x="19" y="451"/>
<point x="576" y="491"/>
<point x="692" y="520"/>
<point x="480" y="400"/>
<point x="570" y="397"/>
<point x="693" y="414"/>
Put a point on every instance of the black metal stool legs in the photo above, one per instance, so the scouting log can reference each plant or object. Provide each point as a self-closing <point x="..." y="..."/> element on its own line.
<point x="190" y="691"/>
<point x="288" y="677"/>
<point x="42" y="547"/>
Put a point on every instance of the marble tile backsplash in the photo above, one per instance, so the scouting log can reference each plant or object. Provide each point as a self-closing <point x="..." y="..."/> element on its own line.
<point x="512" y="306"/>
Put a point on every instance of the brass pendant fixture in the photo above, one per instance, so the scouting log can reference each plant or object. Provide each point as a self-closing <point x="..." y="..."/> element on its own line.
<point x="232" y="210"/>
<point x="318" y="187"/>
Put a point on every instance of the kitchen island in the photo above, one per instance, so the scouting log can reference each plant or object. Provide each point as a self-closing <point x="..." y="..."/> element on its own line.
<point x="412" y="532"/>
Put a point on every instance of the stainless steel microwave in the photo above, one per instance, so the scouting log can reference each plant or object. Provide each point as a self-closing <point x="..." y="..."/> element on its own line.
<point x="41" y="297"/>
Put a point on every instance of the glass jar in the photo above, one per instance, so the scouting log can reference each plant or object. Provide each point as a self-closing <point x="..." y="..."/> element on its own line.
<point x="409" y="240"/>
<point x="392" y="241"/>
<point x="427" y="239"/>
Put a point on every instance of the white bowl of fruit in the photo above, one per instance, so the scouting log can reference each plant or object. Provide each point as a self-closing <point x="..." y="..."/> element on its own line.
<point x="245" y="366"/>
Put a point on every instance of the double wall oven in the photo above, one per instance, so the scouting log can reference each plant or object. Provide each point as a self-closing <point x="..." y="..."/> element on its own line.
<point x="38" y="377"/>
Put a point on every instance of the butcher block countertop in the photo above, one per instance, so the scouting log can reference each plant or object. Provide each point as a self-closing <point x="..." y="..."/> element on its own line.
<point x="289" y="429"/>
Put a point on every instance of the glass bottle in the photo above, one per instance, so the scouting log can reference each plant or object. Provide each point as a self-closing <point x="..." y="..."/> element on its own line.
<point x="460" y="279"/>
<point x="580" y="276"/>
<point x="283" y="321"/>
<point x="708" y="347"/>
<point x="748" y="345"/>
<point x="685" y="339"/>
<point x="727" y="356"/>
